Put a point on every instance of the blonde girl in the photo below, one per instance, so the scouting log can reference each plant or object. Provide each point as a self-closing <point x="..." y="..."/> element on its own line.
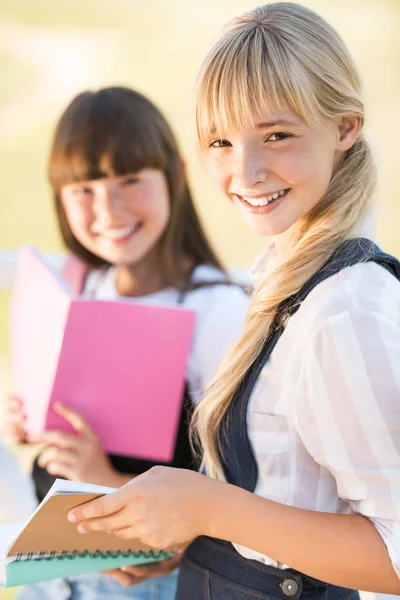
<point x="300" y="430"/>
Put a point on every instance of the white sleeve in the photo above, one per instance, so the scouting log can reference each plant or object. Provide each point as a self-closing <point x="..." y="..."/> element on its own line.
<point x="349" y="417"/>
<point x="17" y="500"/>
<point x="218" y="330"/>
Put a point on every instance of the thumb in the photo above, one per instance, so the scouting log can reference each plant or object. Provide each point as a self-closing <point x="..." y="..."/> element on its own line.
<point x="73" y="417"/>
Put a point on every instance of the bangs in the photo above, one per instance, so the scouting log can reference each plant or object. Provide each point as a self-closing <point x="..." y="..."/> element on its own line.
<point x="104" y="136"/>
<point x="250" y="73"/>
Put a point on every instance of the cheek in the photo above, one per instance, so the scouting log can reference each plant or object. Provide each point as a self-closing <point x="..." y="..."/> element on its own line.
<point x="79" y="220"/>
<point x="153" y="208"/>
<point x="293" y="167"/>
<point x="311" y="166"/>
<point x="218" y="172"/>
<point x="162" y="214"/>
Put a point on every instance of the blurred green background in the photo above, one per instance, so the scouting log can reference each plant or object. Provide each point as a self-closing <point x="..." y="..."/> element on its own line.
<point x="52" y="49"/>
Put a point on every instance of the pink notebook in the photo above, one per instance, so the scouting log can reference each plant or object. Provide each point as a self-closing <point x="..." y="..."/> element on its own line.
<point x="121" y="364"/>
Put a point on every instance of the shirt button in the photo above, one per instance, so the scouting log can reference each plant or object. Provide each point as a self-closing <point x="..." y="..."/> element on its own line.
<point x="290" y="587"/>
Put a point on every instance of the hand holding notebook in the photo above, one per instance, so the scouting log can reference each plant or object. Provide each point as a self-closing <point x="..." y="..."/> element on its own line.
<point x="165" y="507"/>
<point x="49" y="547"/>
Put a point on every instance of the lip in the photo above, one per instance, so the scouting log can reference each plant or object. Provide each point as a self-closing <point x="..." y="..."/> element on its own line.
<point x="262" y="210"/>
<point x="119" y="240"/>
<point x="256" y="196"/>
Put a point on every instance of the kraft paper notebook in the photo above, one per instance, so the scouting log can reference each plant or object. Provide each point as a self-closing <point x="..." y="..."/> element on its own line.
<point x="48" y="546"/>
<point x="120" y="363"/>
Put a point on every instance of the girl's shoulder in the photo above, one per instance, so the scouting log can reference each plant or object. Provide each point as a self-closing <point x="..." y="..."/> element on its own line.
<point x="219" y="307"/>
<point x="364" y="288"/>
<point x="220" y="310"/>
<point x="215" y="290"/>
<point x="211" y="292"/>
<point x="207" y="273"/>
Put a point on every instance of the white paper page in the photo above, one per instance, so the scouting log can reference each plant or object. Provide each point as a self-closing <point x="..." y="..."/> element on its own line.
<point x="8" y="533"/>
<point x="62" y="486"/>
<point x="57" y="275"/>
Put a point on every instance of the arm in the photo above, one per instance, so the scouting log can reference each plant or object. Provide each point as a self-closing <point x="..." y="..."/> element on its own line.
<point x="167" y="507"/>
<point x="361" y="551"/>
<point x="348" y="417"/>
<point x="345" y="550"/>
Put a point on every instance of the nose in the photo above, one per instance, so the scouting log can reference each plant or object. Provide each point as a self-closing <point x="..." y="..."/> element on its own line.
<point x="249" y="167"/>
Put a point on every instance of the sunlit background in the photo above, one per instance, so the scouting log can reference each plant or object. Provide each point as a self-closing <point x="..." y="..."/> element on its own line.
<point x="52" y="49"/>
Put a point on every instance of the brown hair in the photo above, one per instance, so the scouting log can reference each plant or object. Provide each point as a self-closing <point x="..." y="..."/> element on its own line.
<point x="113" y="132"/>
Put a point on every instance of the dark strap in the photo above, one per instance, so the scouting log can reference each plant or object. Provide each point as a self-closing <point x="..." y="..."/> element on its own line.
<point x="238" y="460"/>
<point x="212" y="568"/>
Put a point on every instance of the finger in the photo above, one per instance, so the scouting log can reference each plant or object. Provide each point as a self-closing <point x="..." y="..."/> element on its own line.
<point x="73" y="417"/>
<point x="14" y="438"/>
<point x="100" y="507"/>
<point x="61" y="470"/>
<point x="110" y="523"/>
<point x="124" y="579"/>
<point x="136" y="571"/>
<point x="58" y="438"/>
<point x="14" y="425"/>
<point x="129" y="532"/>
<point x="17" y="417"/>
<point x="14" y="432"/>
<point x="15" y="412"/>
<point x="54" y="454"/>
<point x="15" y="401"/>
<point x="158" y="569"/>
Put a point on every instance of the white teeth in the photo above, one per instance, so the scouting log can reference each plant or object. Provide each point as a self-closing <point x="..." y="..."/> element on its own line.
<point x="120" y="233"/>
<point x="263" y="200"/>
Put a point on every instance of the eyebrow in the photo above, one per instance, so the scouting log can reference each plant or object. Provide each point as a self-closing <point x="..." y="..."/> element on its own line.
<point x="268" y="124"/>
<point x="285" y="122"/>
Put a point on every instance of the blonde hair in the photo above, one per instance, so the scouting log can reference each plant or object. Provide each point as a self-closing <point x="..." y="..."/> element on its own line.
<point x="280" y="54"/>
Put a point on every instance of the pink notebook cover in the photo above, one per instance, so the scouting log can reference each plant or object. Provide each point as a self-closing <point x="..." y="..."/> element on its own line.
<point x="121" y="364"/>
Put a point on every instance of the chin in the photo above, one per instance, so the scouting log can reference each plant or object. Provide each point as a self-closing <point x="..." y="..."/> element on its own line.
<point x="268" y="228"/>
<point x="119" y="258"/>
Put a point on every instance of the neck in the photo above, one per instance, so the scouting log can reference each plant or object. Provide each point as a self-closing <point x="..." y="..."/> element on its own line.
<point x="140" y="279"/>
<point x="282" y="242"/>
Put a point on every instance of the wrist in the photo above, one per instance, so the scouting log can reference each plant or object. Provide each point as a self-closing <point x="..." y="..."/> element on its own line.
<point x="229" y="501"/>
<point x="219" y="508"/>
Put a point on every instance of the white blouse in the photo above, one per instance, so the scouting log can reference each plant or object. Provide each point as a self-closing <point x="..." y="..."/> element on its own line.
<point x="220" y="313"/>
<point x="324" y="415"/>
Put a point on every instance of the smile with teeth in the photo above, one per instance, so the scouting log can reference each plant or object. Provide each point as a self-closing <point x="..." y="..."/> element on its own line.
<point x="120" y="233"/>
<point x="264" y="200"/>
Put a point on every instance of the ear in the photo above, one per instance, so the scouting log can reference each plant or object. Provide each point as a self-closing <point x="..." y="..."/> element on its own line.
<point x="348" y="131"/>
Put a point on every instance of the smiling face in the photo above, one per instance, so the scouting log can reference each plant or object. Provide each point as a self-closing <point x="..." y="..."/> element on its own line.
<point x="120" y="219"/>
<point x="275" y="171"/>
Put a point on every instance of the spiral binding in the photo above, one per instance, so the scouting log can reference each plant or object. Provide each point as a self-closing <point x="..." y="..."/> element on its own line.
<point x="66" y="555"/>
